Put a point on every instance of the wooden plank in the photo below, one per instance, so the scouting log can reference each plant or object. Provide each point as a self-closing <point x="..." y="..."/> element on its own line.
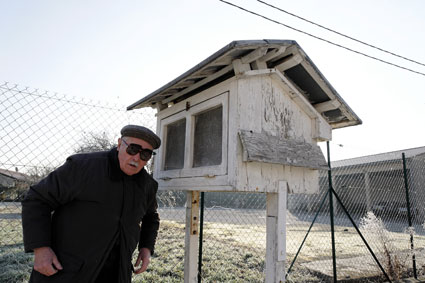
<point x="254" y="55"/>
<point x="240" y="67"/>
<point x="275" y="268"/>
<point x="289" y="63"/>
<point x="271" y="237"/>
<point x="191" y="238"/>
<point x="258" y="65"/>
<point x="249" y="103"/>
<point x="184" y="84"/>
<point x="322" y="131"/>
<point x="254" y="176"/>
<point x="194" y="220"/>
<point x="194" y="181"/>
<point x="281" y="222"/>
<point x="327" y="106"/>
<point x="262" y="147"/>
<point x="200" y="83"/>
<point x="273" y="54"/>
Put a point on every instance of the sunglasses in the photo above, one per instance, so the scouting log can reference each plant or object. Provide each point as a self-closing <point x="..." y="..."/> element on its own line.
<point x="133" y="149"/>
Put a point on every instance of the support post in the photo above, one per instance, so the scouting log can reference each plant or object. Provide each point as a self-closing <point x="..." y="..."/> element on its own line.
<point x="367" y="191"/>
<point x="331" y="213"/>
<point x="276" y="235"/>
<point x="201" y="234"/>
<point x="409" y="215"/>
<point x="191" y="237"/>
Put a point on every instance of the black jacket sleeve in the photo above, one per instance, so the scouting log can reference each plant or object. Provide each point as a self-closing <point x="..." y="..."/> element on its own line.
<point x="58" y="188"/>
<point x="150" y="222"/>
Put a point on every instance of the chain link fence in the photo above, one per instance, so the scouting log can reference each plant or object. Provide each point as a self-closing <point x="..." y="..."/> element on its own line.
<point x="372" y="190"/>
<point x="40" y="129"/>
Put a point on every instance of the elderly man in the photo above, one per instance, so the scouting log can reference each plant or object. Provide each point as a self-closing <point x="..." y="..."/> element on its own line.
<point x="85" y="219"/>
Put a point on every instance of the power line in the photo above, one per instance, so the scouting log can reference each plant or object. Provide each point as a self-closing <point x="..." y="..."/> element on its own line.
<point x="322" y="39"/>
<point x="341" y="34"/>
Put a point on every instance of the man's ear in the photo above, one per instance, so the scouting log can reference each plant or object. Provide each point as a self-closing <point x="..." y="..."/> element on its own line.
<point x="119" y="144"/>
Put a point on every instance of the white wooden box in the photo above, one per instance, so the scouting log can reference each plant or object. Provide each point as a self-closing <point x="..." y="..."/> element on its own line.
<point x="248" y="118"/>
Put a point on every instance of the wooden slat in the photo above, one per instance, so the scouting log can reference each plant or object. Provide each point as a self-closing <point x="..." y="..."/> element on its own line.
<point x="200" y="83"/>
<point x="191" y="238"/>
<point x="262" y="147"/>
<point x="259" y="65"/>
<point x="222" y="61"/>
<point x="185" y="83"/>
<point x="240" y="67"/>
<point x="273" y="54"/>
<point x="312" y="72"/>
<point x="328" y="105"/>
<point x="254" y="55"/>
<point x="289" y="63"/>
<point x="291" y="88"/>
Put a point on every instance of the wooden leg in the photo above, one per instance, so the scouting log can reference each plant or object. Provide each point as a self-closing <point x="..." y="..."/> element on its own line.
<point x="276" y="235"/>
<point x="191" y="237"/>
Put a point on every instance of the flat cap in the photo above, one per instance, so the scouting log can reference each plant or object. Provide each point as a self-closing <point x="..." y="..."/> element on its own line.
<point x="142" y="133"/>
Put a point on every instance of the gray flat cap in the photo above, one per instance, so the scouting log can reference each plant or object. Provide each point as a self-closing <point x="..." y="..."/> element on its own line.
<point x="142" y="133"/>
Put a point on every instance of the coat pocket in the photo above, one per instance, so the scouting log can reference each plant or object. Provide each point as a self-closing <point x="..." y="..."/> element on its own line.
<point x="70" y="263"/>
<point x="71" y="266"/>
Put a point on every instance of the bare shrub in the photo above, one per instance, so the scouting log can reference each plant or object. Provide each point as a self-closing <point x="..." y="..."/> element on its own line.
<point x="91" y="142"/>
<point x="374" y="229"/>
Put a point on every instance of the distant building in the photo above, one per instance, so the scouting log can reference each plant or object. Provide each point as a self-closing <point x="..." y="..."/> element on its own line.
<point x="374" y="183"/>
<point x="12" y="184"/>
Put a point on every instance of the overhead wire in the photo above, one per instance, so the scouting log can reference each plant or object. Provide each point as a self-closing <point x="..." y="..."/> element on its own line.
<point x="322" y="39"/>
<point x="341" y="34"/>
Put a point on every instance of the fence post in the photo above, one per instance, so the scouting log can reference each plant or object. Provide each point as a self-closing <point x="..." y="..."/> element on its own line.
<point x="276" y="235"/>
<point x="331" y="213"/>
<point x="409" y="215"/>
<point x="191" y="237"/>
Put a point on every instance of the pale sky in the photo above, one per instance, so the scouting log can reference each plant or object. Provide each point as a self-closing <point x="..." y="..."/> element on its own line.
<point x="108" y="50"/>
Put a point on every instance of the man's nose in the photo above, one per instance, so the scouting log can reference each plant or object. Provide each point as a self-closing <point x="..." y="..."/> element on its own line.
<point x="136" y="157"/>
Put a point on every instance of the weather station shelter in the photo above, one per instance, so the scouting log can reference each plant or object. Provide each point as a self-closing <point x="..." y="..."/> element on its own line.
<point x="246" y="119"/>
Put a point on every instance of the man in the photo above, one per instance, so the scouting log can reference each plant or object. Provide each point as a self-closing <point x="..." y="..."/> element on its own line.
<point x="84" y="220"/>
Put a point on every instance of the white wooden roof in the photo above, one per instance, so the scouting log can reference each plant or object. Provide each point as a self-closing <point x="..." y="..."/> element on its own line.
<point x="286" y="56"/>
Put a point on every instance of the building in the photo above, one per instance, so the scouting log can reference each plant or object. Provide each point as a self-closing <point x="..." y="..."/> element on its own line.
<point x="376" y="183"/>
<point x="12" y="184"/>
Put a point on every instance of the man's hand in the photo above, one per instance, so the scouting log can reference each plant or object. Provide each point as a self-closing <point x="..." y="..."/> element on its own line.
<point x="144" y="257"/>
<point x="45" y="261"/>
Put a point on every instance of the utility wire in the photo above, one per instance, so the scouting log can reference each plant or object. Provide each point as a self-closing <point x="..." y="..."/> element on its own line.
<point x="341" y="34"/>
<point x="322" y="39"/>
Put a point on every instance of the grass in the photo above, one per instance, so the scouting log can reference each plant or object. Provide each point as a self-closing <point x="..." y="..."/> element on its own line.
<point x="15" y="265"/>
<point x="231" y="253"/>
<point x="225" y="258"/>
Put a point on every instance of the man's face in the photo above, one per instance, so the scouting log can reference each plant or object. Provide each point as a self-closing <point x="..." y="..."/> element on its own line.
<point x="131" y="164"/>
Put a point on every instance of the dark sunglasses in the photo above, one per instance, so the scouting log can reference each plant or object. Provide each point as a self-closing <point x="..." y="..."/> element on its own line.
<point x="133" y="149"/>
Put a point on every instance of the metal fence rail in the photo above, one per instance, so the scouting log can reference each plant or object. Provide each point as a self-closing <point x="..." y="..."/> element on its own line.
<point x="40" y="129"/>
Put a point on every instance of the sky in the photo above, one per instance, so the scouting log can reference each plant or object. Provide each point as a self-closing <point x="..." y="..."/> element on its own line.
<point x="124" y="50"/>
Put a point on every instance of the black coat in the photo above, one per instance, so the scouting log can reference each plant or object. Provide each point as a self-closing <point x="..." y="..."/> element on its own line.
<point x="81" y="209"/>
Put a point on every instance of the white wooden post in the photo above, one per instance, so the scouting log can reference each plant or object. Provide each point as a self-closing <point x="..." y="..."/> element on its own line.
<point x="276" y="235"/>
<point x="192" y="237"/>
